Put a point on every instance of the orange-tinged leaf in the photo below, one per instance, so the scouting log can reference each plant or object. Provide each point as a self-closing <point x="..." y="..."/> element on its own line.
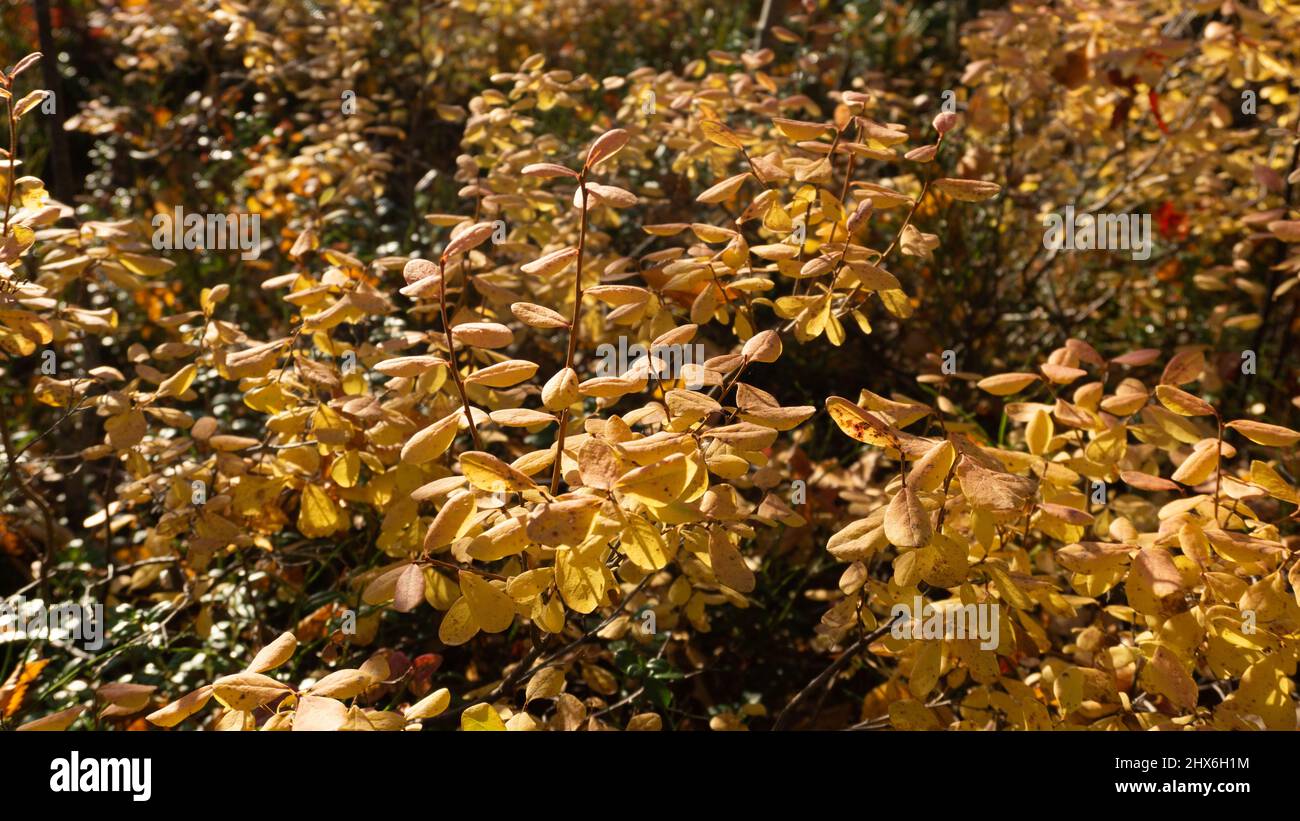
<point x="16" y="685"/>
<point x="606" y="146"/>
<point x="341" y="684"/>
<point x="274" y="654"/>
<point x="799" y="130"/>
<point x="1005" y="384"/>
<point x="1183" y="403"/>
<point x="245" y="692"/>
<point x="1264" y="434"/>
<point x="860" y="424"/>
<point x="54" y="722"/>
<point x="967" y="190"/>
<point x="907" y="524"/>
<point x="723" y="190"/>
<point x="486" y="472"/>
<point x="728" y="565"/>
<point x="718" y="134"/>
<point x="319" y="714"/>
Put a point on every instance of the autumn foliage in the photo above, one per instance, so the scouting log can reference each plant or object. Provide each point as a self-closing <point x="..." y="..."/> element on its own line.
<point x="374" y="472"/>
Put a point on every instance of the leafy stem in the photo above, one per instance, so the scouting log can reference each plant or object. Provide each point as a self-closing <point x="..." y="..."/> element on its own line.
<point x="451" y="350"/>
<point x="574" y="330"/>
<point x="13" y="155"/>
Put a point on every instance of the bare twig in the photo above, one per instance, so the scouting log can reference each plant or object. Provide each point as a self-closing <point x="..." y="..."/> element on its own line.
<point x="825" y="676"/>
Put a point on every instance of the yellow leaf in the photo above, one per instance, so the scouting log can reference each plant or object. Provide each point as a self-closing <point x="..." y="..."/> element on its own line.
<point x="1038" y="433"/>
<point x="906" y="714"/>
<point x="318" y="514"/>
<point x="458" y="625"/>
<point x="431" y="442"/>
<point x="346" y="469"/>
<point x="429" y="706"/>
<point x="642" y="543"/>
<point x="486" y="472"/>
<point x="528" y="585"/>
<point x="1068" y="689"/>
<point x="493" y="611"/>
<point x="1154" y="583"/>
<point x="799" y="130"/>
<point x="946" y="564"/>
<point x="481" y="717"/>
<point x="1263" y="475"/>
<point x="450" y="523"/>
<point x="928" y="473"/>
<point x="547" y="683"/>
<point x="1267" y="691"/>
<point x="581" y="583"/>
<point x="657" y="484"/>
<point x="146" y="266"/>
<point x="506" y="538"/>
<point x="859" y="424"/>
<point x="925" y="670"/>
<point x="503" y="374"/>
<point x="1165" y="675"/>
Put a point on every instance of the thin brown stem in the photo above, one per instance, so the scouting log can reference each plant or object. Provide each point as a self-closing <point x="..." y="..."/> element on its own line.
<point x="574" y="331"/>
<point x="753" y="169"/>
<point x="823" y="678"/>
<point x="13" y="158"/>
<point x="1218" y="466"/>
<point x="452" y="566"/>
<point x="451" y="351"/>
